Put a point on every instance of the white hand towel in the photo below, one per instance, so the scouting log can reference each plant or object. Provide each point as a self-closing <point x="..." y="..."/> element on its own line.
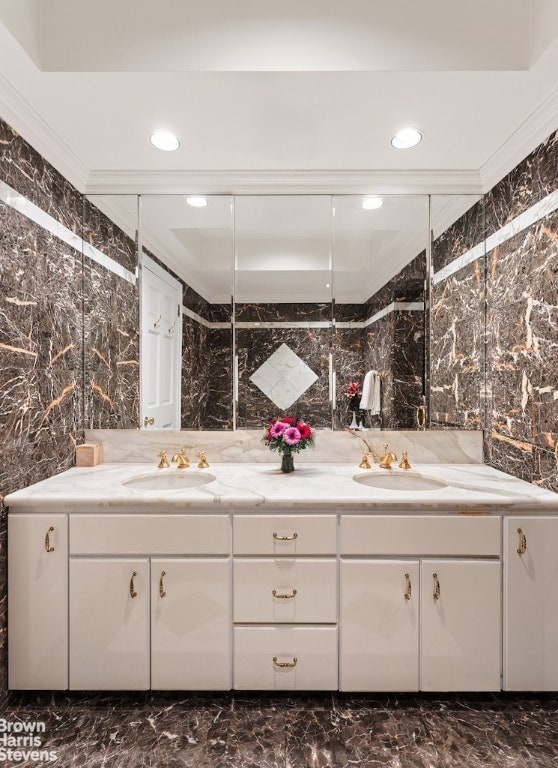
<point x="371" y="394"/>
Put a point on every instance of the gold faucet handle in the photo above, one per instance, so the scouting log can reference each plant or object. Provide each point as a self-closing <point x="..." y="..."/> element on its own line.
<point x="364" y="463"/>
<point x="163" y="463"/>
<point x="404" y="464"/>
<point x="203" y="463"/>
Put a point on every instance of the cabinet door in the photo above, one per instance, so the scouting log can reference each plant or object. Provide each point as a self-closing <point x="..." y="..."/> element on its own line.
<point x="190" y="624"/>
<point x="461" y="615"/>
<point x="530" y="604"/>
<point x="379" y="625"/>
<point x="109" y="624"/>
<point x="37" y="602"/>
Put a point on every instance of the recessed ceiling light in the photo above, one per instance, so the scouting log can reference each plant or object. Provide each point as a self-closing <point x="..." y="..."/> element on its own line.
<point x="164" y="140"/>
<point x="407" y="138"/>
<point x="327" y="285"/>
<point x="372" y="203"/>
<point x="197" y="201"/>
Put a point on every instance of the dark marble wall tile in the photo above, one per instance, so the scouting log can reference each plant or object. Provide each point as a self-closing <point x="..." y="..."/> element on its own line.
<point x="104" y="235"/>
<point x="463" y="235"/>
<point x="261" y="313"/>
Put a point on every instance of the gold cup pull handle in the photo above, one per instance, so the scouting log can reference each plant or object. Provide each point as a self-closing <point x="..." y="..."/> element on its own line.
<point x="284" y="596"/>
<point x="133" y="592"/>
<point x="285" y="664"/>
<point x="436" y="593"/>
<point x="292" y="537"/>
<point x="407" y="594"/>
<point x="522" y="547"/>
<point x="48" y="548"/>
<point x="162" y="592"/>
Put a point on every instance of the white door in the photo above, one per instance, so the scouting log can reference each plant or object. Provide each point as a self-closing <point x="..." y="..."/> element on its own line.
<point x="379" y="641"/>
<point x="161" y="347"/>
<point x="461" y="619"/>
<point x="109" y="624"/>
<point x="530" y="604"/>
<point x="37" y="602"/>
<point x="190" y="624"/>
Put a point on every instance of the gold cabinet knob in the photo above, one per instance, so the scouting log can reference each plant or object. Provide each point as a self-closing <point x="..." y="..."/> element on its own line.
<point x="284" y="596"/>
<point x="292" y="537"/>
<point x="285" y="664"/>
<point x="133" y="592"/>
<point x="48" y="548"/>
<point x="522" y="546"/>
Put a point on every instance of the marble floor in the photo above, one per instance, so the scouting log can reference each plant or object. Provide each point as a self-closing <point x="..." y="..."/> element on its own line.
<point x="236" y="730"/>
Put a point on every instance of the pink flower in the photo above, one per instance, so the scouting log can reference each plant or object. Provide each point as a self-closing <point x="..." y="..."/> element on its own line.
<point x="277" y="429"/>
<point x="291" y="436"/>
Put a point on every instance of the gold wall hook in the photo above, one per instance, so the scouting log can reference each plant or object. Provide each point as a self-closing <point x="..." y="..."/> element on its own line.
<point x="48" y="548"/>
<point x="157" y="323"/>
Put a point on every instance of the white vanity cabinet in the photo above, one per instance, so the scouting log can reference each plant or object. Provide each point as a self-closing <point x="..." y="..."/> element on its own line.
<point x="141" y="620"/>
<point x="415" y="621"/>
<point x="530" y="603"/>
<point x="285" y="602"/>
<point x="38" y="601"/>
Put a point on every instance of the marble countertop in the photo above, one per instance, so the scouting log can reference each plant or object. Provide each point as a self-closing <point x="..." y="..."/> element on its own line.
<point x="473" y="488"/>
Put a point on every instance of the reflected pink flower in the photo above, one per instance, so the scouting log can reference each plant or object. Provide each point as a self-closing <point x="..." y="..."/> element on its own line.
<point x="291" y="436"/>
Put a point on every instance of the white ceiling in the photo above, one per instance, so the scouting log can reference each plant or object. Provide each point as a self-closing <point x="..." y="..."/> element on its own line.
<point x="298" y="96"/>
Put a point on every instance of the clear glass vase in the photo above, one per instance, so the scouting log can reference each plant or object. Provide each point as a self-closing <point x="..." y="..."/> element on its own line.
<point x="287" y="462"/>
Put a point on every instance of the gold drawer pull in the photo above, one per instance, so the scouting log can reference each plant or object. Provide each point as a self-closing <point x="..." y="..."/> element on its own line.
<point x="436" y="593"/>
<point x="280" y="596"/>
<point x="407" y="594"/>
<point x="162" y="592"/>
<point x="48" y="548"/>
<point x="133" y="592"/>
<point x="285" y="664"/>
<point x="285" y="538"/>
<point x="522" y="548"/>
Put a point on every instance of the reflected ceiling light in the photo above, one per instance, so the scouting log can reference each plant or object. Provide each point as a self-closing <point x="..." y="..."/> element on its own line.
<point x="327" y="285"/>
<point x="197" y="201"/>
<point x="164" y="140"/>
<point x="372" y="203"/>
<point x="407" y="138"/>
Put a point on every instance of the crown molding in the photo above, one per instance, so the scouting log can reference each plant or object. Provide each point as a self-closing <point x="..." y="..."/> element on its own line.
<point x="535" y="129"/>
<point x="23" y="118"/>
<point x="441" y="182"/>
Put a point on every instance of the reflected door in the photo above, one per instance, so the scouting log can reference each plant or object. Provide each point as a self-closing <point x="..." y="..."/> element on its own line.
<point x="161" y="334"/>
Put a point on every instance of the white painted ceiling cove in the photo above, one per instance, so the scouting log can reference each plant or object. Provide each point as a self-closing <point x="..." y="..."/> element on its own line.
<point x="302" y="95"/>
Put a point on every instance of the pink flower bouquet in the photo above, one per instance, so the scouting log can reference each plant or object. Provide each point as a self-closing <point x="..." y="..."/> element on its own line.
<point x="288" y="435"/>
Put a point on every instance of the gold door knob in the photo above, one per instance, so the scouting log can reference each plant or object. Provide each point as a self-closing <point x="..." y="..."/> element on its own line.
<point x="48" y="548"/>
<point x="436" y="593"/>
<point x="285" y="664"/>
<point x="162" y="592"/>
<point x="522" y="547"/>
<point x="407" y="594"/>
<point x="133" y="592"/>
<point x="285" y="538"/>
<point x="284" y="596"/>
<point x="148" y="421"/>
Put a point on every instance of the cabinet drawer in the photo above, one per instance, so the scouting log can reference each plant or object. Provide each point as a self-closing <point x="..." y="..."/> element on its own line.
<point x="285" y="535"/>
<point x="419" y="535"/>
<point x="149" y="534"/>
<point x="308" y="653"/>
<point x="305" y="591"/>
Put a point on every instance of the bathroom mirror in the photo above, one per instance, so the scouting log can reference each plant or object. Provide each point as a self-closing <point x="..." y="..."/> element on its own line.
<point x="286" y="299"/>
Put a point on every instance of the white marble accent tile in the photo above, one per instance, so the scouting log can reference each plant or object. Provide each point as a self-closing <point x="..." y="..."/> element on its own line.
<point x="284" y="377"/>
<point x="395" y="306"/>
<point x="202" y="321"/>
<point x="526" y="219"/>
<point x="46" y="221"/>
<point x="284" y="324"/>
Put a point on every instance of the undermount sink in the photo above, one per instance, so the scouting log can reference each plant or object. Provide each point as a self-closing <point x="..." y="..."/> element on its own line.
<point x="400" y="482"/>
<point x="175" y="481"/>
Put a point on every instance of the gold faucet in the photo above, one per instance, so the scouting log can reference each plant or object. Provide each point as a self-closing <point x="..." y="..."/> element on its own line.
<point x="387" y="458"/>
<point x="203" y="463"/>
<point x="163" y="463"/>
<point x="364" y="463"/>
<point x="404" y="464"/>
<point x="182" y="461"/>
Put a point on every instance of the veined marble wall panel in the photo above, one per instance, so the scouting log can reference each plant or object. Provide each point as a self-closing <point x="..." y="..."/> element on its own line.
<point x="349" y="354"/>
<point x="379" y="355"/>
<point x="408" y="366"/>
